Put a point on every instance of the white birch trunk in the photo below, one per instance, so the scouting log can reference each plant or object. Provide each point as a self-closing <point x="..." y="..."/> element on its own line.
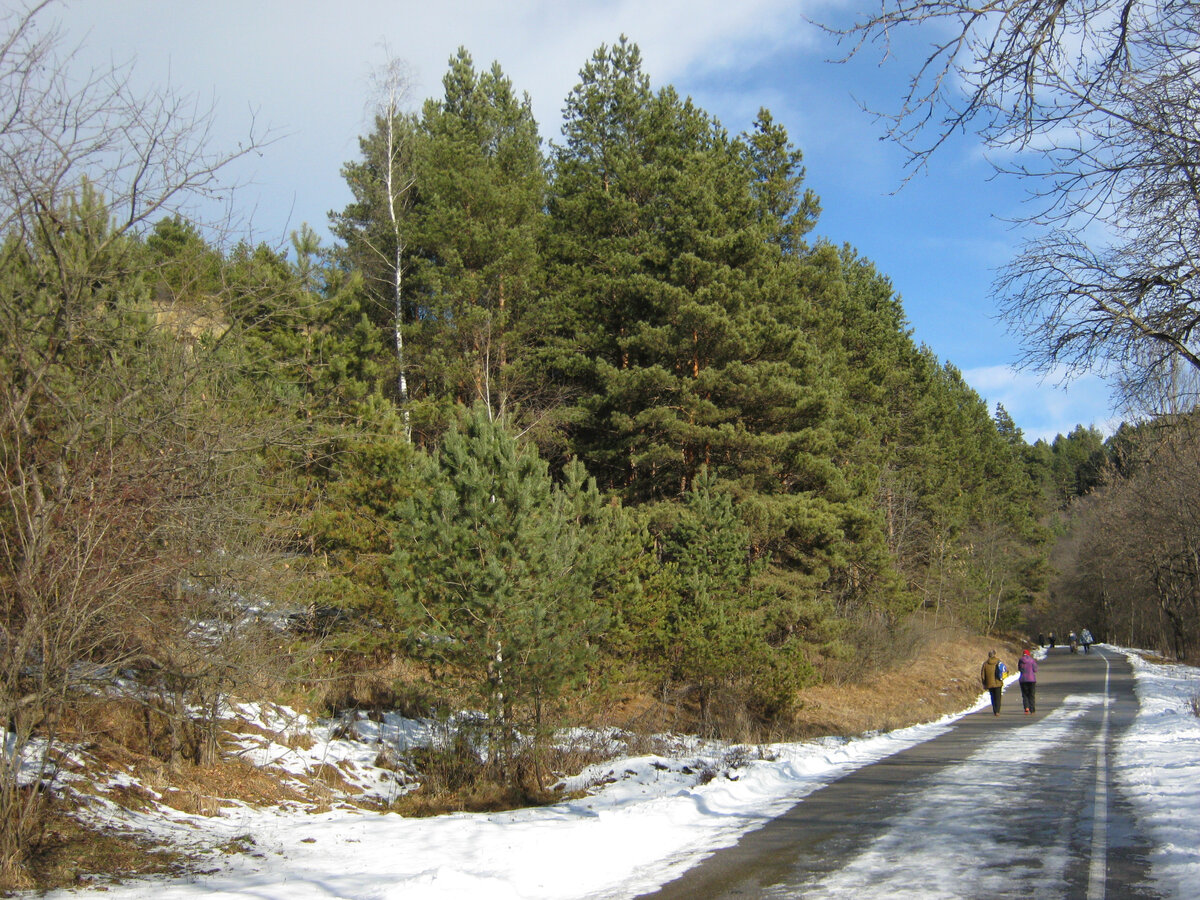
<point x="392" y="84"/>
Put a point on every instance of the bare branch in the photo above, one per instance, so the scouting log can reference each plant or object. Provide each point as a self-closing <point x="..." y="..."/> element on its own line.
<point x="1094" y="103"/>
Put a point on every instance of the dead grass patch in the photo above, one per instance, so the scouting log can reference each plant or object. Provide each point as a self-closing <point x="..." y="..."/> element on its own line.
<point x="69" y="854"/>
<point x="480" y="797"/>
<point x="287" y="737"/>
<point x="1157" y="658"/>
<point x="331" y="777"/>
<point x="115" y="731"/>
<point x="940" y="680"/>
<point x="388" y="683"/>
<point x="204" y="790"/>
<point x="130" y="796"/>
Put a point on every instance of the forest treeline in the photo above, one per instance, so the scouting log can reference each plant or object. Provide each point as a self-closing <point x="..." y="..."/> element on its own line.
<point x="544" y="427"/>
<point x="1127" y="553"/>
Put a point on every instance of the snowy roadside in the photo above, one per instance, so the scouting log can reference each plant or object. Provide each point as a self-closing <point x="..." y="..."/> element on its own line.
<point x="1158" y="765"/>
<point x="653" y="818"/>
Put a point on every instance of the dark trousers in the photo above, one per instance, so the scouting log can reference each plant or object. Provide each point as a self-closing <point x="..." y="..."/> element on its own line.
<point x="1027" y="691"/>
<point x="995" y="692"/>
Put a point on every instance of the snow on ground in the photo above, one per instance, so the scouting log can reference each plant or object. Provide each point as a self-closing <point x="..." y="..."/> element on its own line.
<point x="647" y="819"/>
<point x="1158" y="765"/>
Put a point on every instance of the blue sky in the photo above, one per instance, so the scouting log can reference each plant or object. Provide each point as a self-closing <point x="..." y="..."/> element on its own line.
<point x="301" y="67"/>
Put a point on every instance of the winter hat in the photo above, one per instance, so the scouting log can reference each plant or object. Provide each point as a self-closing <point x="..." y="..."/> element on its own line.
<point x="1026" y="652"/>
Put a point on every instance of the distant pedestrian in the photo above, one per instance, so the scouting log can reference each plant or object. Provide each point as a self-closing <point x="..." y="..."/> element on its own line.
<point x="1052" y="640"/>
<point x="1027" y="667"/>
<point x="1041" y="639"/>
<point x="992" y="676"/>
<point x="1085" y="638"/>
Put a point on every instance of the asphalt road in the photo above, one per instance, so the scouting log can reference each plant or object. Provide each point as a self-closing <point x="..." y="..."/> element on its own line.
<point x="1012" y="805"/>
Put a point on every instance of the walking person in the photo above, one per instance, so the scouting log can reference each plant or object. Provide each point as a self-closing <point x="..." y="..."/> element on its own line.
<point x="992" y="675"/>
<point x="1086" y="639"/>
<point x="1027" y="668"/>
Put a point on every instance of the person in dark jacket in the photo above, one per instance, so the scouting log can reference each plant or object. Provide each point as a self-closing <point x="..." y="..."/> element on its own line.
<point x="991" y="681"/>
<point x="1027" y="667"/>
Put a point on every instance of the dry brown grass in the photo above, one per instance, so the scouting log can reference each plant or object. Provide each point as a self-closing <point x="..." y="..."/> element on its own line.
<point x="293" y="740"/>
<point x="205" y="790"/>
<point x="485" y="796"/>
<point x="387" y="683"/>
<point x="72" y="855"/>
<point x="942" y="678"/>
<point x="924" y="674"/>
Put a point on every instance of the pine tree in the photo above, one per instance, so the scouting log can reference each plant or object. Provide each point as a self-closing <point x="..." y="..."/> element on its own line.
<point x="496" y="569"/>
<point x="476" y="224"/>
<point x="669" y="289"/>
<point x="699" y="333"/>
<point x="713" y="639"/>
<point x="789" y="210"/>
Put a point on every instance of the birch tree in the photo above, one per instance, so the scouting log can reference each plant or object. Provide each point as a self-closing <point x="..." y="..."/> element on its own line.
<point x="375" y="225"/>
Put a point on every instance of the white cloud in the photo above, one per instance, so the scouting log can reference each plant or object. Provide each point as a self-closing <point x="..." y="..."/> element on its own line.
<point x="303" y="65"/>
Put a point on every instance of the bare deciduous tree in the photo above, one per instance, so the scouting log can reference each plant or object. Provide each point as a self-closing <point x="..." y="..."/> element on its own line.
<point x="110" y="458"/>
<point x="1095" y="103"/>
<point x="1131" y="565"/>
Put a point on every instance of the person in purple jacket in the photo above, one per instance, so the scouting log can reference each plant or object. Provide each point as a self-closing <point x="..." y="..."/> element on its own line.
<point x="1027" y="667"/>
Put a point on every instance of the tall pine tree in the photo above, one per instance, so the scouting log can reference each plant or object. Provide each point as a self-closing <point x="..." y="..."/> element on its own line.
<point x="481" y="185"/>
